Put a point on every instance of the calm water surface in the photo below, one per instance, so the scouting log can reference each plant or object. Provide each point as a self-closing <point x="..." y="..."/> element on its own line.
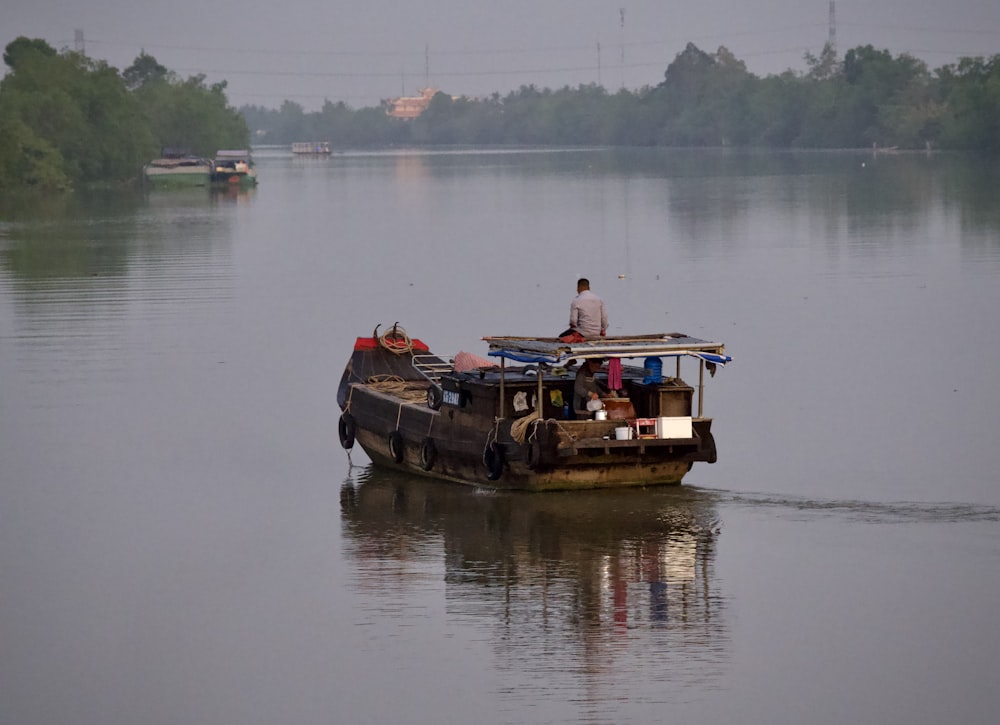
<point x="182" y="539"/>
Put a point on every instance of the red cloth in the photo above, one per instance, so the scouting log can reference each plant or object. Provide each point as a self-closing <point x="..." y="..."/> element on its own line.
<point x="615" y="374"/>
<point x="371" y="343"/>
<point x="573" y="337"/>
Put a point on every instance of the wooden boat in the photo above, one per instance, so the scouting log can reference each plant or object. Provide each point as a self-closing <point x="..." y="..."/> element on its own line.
<point x="234" y="167"/>
<point x="311" y="148"/>
<point x="177" y="171"/>
<point x="511" y="426"/>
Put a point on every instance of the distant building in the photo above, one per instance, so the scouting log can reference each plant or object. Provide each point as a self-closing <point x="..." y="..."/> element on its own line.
<point x="409" y="107"/>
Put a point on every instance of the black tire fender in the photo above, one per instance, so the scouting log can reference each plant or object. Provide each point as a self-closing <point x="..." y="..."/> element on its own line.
<point x="532" y="454"/>
<point x="347" y="428"/>
<point x="434" y="397"/>
<point x="396" y="446"/>
<point x="428" y="453"/>
<point x="708" y="441"/>
<point x="493" y="460"/>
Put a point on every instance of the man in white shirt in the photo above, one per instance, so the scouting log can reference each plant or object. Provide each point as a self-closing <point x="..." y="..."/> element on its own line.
<point x="587" y="315"/>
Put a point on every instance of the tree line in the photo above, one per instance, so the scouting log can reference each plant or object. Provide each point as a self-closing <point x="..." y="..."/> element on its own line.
<point x="66" y="119"/>
<point x="706" y="99"/>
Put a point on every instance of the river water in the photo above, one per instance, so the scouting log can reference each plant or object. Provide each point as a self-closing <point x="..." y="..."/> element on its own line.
<point x="182" y="539"/>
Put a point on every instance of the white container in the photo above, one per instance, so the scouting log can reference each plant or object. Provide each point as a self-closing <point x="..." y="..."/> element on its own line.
<point x="623" y="434"/>
<point x="600" y="415"/>
<point x="677" y="427"/>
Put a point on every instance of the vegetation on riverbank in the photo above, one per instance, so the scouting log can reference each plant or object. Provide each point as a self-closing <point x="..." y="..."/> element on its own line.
<point x="706" y="99"/>
<point x="66" y="119"/>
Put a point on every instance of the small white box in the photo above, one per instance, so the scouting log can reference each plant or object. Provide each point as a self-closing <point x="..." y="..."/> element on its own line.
<point x="677" y="427"/>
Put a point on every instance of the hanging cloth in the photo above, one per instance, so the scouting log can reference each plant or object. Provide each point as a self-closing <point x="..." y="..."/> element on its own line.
<point x="615" y="373"/>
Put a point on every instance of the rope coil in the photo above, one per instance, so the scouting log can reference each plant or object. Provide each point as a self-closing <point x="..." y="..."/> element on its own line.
<point x="395" y="340"/>
<point x="397" y="387"/>
<point x="519" y="428"/>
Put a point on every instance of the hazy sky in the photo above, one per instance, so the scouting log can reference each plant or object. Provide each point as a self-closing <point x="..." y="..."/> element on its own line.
<point x="363" y="51"/>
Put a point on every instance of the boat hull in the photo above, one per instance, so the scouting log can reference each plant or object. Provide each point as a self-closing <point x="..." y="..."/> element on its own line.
<point x="311" y="148"/>
<point x="229" y="179"/>
<point x="560" y="455"/>
<point x="177" y="177"/>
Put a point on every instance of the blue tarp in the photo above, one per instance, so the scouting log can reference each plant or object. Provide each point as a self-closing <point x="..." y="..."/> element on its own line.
<point x="555" y="351"/>
<point x="534" y="357"/>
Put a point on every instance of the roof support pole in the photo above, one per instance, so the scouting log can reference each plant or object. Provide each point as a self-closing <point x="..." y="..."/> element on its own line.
<point x="540" y="405"/>
<point x="503" y="362"/>
<point x="701" y="385"/>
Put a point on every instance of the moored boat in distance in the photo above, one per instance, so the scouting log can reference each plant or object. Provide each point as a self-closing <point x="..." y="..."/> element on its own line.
<point x="234" y="167"/>
<point x="176" y="169"/>
<point x="314" y="148"/>
<point x="483" y="422"/>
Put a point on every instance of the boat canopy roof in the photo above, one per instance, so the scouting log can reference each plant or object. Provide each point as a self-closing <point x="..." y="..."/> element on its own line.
<point x="554" y="351"/>
<point x="232" y="154"/>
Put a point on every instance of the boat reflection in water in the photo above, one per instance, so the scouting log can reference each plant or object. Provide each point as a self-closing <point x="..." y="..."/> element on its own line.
<point x="233" y="193"/>
<point x="622" y="579"/>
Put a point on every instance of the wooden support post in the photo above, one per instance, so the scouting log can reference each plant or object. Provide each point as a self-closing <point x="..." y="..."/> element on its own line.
<point x="540" y="403"/>
<point x="701" y="385"/>
<point x="503" y="368"/>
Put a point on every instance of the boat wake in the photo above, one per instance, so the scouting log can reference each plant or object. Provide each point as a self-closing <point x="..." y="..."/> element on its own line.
<point x="875" y="512"/>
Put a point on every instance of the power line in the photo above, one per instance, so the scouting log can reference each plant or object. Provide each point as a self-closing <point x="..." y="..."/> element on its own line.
<point x="914" y="29"/>
<point x="662" y="41"/>
<point x="587" y="67"/>
<point x="666" y="41"/>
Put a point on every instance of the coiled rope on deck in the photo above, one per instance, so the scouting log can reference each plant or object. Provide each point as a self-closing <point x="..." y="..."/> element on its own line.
<point x="397" y="387"/>
<point x="395" y="340"/>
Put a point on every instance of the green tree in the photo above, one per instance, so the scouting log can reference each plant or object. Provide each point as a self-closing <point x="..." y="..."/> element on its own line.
<point x="66" y="119"/>
<point x="190" y="115"/>
<point x="704" y="99"/>
<point x="28" y="161"/>
<point x="971" y="92"/>
<point x="22" y="50"/>
<point x="874" y="79"/>
<point x="824" y="66"/>
<point x="443" y="121"/>
<point x="292" y="119"/>
<point x="78" y="107"/>
<point x="144" y="71"/>
<point x="776" y="111"/>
